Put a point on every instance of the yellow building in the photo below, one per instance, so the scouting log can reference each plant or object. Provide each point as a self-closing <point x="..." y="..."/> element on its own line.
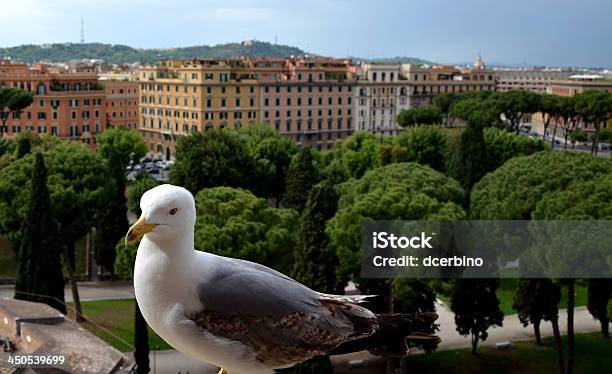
<point x="181" y="96"/>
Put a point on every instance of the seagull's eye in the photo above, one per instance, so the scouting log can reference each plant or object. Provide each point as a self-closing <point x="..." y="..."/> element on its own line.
<point x="173" y="211"/>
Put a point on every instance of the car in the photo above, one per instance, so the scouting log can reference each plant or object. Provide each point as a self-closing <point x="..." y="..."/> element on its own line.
<point x="154" y="171"/>
<point x="145" y="159"/>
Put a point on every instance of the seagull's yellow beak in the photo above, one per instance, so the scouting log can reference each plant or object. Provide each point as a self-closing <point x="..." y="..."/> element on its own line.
<point x="138" y="230"/>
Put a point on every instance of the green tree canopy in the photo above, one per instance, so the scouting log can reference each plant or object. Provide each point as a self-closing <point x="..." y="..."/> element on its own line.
<point x="233" y="222"/>
<point x="423" y="144"/>
<point x="218" y="157"/>
<point x="12" y="100"/>
<point x="405" y="191"/>
<point x="271" y="156"/>
<point x="425" y="115"/>
<point x="523" y="185"/>
<point x="77" y="181"/>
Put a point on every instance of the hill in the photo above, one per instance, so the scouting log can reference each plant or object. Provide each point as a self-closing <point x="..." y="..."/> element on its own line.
<point x="120" y="54"/>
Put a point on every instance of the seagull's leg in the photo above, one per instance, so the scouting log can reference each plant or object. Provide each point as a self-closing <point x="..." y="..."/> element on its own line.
<point x="223" y="371"/>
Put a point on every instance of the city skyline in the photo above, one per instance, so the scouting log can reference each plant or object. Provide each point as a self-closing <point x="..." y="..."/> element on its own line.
<point x="545" y="32"/>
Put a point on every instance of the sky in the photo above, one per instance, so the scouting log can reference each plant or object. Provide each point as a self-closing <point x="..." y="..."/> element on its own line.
<point x="531" y="32"/>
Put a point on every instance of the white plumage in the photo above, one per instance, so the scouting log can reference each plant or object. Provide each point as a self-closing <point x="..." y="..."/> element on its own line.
<point x="241" y="316"/>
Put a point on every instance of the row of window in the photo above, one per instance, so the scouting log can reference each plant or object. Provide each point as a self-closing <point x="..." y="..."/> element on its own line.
<point x="288" y="101"/>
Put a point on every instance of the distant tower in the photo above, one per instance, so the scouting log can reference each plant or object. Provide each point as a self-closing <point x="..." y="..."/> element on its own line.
<point x="275" y="39"/>
<point x="82" y="31"/>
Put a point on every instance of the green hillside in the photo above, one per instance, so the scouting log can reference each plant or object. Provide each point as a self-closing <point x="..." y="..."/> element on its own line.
<point x="119" y="54"/>
<point x="122" y="54"/>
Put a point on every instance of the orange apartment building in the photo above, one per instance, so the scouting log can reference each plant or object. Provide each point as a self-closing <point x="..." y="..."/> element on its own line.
<point x="121" y="100"/>
<point x="68" y="105"/>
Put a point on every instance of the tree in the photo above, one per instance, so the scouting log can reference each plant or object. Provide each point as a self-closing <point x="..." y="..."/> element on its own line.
<point x="303" y="173"/>
<point x="24" y="146"/>
<point x="550" y="186"/>
<point x="444" y="103"/>
<point x="233" y="222"/>
<point x="549" y="107"/>
<point x="352" y="157"/>
<point x="514" y="105"/>
<point x="536" y="300"/>
<point x="314" y="264"/>
<point x="404" y="191"/>
<point x="502" y="145"/>
<point x="12" y="100"/>
<point x="218" y="157"/>
<point x="599" y="295"/>
<point x="594" y="107"/>
<point x="426" y="115"/>
<point x="40" y="276"/>
<point x="423" y="144"/>
<point x="119" y="146"/>
<point x="78" y="182"/>
<point x="476" y="308"/>
<point x="469" y="164"/>
<point x="142" y="184"/>
<point x="272" y="156"/>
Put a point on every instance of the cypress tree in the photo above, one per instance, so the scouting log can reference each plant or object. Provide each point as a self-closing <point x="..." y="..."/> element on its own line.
<point x="113" y="224"/>
<point x="315" y="266"/>
<point x="301" y="176"/>
<point x="40" y="271"/>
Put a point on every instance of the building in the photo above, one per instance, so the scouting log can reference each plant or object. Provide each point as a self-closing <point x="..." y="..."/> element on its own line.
<point x="67" y="104"/>
<point x="306" y="99"/>
<point x="383" y="91"/>
<point x="178" y="97"/>
<point x="579" y="83"/>
<point x="309" y="100"/>
<point x="531" y="79"/>
<point x="121" y="99"/>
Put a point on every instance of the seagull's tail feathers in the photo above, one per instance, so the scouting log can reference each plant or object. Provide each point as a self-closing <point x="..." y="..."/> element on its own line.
<point x="395" y="334"/>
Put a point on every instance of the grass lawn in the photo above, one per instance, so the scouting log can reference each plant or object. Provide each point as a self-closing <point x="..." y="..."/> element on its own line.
<point x="507" y="289"/>
<point x="593" y="355"/>
<point x="117" y="316"/>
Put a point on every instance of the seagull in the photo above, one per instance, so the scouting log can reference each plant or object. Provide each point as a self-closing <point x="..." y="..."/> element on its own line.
<point x="241" y="316"/>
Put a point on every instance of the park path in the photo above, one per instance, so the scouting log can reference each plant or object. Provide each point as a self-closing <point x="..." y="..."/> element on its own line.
<point x="173" y="362"/>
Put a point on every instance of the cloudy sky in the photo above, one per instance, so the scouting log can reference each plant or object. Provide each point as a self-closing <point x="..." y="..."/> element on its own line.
<point x="535" y="32"/>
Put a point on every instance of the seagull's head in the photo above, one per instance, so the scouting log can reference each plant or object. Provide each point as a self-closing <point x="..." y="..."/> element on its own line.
<point x="168" y="212"/>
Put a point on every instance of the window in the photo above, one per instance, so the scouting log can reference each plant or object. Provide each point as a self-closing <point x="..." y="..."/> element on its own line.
<point x="42" y="115"/>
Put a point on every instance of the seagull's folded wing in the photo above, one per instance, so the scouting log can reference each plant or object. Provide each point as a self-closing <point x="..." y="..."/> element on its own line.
<point x="281" y="320"/>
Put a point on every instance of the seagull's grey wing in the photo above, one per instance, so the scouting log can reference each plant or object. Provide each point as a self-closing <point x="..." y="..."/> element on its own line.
<point x="236" y="288"/>
<point x="281" y="320"/>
